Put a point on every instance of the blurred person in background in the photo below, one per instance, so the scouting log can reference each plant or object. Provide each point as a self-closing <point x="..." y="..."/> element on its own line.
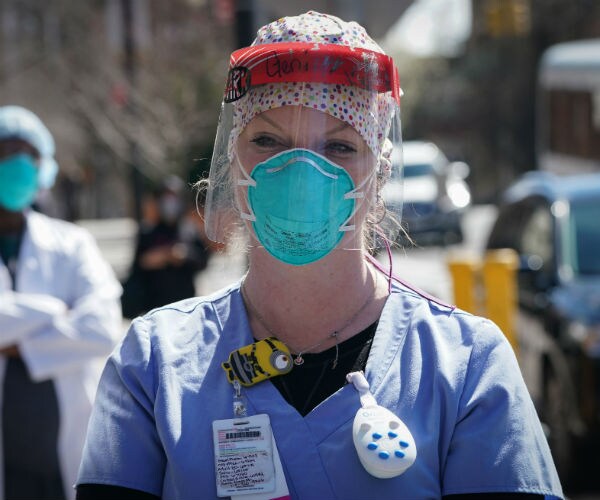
<point x="59" y="319"/>
<point x="169" y="253"/>
<point x="435" y="406"/>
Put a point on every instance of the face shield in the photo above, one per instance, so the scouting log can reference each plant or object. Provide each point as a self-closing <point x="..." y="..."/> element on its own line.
<point x="307" y="137"/>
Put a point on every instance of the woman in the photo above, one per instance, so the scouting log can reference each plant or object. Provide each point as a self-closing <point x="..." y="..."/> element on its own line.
<point x="308" y="134"/>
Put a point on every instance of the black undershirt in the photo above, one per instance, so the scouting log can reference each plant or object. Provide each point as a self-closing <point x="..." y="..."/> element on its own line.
<point x="308" y="385"/>
<point x="304" y="388"/>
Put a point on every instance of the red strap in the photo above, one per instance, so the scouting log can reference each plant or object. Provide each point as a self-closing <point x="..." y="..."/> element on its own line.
<point x="311" y="62"/>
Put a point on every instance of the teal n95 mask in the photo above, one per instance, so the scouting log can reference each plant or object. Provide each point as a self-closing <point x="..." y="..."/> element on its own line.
<point x="18" y="182"/>
<point x="300" y="204"/>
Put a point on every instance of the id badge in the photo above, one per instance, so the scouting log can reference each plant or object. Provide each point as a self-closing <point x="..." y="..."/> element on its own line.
<point x="243" y="450"/>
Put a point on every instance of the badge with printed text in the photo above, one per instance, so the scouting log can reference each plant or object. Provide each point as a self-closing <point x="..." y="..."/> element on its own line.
<point x="243" y="449"/>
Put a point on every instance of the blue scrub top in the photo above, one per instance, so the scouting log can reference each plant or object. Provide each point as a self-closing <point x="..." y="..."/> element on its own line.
<point x="450" y="376"/>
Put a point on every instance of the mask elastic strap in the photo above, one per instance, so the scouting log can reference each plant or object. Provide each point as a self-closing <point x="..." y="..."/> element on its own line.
<point x="354" y="195"/>
<point x="247" y="181"/>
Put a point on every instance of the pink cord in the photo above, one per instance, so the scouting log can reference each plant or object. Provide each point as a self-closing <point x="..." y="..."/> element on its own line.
<point x="392" y="277"/>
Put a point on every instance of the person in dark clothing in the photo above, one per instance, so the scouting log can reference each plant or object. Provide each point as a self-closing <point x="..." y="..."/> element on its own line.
<point x="169" y="253"/>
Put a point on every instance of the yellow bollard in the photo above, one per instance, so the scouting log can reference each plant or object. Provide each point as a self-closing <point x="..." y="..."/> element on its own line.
<point x="499" y="278"/>
<point x="464" y="273"/>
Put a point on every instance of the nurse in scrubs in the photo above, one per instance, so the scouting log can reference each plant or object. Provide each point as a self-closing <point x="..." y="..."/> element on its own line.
<point x="245" y="393"/>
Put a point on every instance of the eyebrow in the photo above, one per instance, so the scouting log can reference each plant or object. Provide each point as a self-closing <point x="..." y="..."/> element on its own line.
<point x="335" y="129"/>
<point x="269" y="121"/>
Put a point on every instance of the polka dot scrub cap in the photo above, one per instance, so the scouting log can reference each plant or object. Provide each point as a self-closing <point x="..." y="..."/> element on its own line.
<point x="367" y="111"/>
<point x="315" y="27"/>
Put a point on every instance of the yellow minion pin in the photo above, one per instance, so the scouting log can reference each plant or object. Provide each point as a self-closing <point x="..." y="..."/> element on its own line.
<point x="259" y="361"/>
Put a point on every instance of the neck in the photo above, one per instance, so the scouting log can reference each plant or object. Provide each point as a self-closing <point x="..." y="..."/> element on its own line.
<point x="303" y="305"/>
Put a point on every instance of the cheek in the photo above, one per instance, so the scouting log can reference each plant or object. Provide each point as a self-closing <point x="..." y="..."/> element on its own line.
<point x="246" y="159"/>
<point x="242" y="158"/>
<point x="361" y="170"/>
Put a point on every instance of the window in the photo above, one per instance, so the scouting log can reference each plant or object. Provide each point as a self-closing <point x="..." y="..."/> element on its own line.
<point x="572" y="131"/>
<point x="584" y="237"/>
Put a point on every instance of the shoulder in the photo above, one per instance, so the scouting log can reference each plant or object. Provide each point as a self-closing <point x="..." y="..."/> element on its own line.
<point x="432" y="317"/>
<point x="455" y="345"/>
<point x="216" y="304"/>
<point x="183" y="328"/>
<point x="174" y="346"/>
<point x="459" y="371"/>
<point x="468" y="352"/>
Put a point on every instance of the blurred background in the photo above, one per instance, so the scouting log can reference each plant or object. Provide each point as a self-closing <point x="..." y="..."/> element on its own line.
<point x="493" y="90"/>
<point x="131" y="88"/>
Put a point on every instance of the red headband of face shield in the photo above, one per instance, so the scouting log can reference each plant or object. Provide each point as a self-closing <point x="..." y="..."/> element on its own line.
<point x="310" y="62"/>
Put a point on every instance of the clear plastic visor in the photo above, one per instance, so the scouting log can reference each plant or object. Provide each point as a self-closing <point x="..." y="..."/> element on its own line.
<point x="298" y="166"/>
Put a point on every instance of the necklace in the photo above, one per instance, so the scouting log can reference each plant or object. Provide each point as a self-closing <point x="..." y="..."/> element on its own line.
<point x="298" y="358"/>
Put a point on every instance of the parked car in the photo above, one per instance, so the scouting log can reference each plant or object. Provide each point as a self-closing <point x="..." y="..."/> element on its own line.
<point x="431" y="194"/>
<point x="553" y="223"/>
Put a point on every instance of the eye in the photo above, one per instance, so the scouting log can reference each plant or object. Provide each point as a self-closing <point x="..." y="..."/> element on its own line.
<point x="266" y="142"/>
<point x="340" y="149"/>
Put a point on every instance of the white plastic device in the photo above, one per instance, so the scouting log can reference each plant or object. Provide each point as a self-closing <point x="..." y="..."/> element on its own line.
<point x="383" y="443"/>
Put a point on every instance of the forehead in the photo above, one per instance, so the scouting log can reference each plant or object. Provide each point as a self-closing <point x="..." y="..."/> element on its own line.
<point x="295" y="118"/>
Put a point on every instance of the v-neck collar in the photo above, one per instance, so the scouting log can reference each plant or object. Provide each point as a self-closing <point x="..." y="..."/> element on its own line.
<point x="341" y="405"/>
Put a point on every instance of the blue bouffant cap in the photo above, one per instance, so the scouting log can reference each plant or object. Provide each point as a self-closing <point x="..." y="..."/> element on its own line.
<point x="17" y="122"/>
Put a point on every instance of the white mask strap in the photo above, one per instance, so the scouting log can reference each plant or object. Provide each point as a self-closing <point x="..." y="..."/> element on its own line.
<point x="355" y="194"/>
<point x="247" y="181"/>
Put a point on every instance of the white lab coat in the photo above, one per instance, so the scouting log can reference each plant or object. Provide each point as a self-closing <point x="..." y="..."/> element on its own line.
<point x="64" y="315"/>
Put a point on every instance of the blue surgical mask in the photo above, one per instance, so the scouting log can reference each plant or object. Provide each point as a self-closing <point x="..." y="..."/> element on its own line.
<point x="301" y="203"/>
<point x="18" y="182"/>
